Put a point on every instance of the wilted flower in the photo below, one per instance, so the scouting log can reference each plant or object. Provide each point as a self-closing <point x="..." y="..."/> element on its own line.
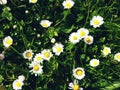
<point x="53" y="40"/>
<point x="2" y="56"/>
<point x="7" y="41"/>
<point x="79" y="73"/>
<point x="21" y="77"/>
<point x="74" y="38"/>
<point x="68" y="4"/>
<point x="57" y="48"/>
<point x="96" y="21"/>
<point x="45" y="23"/>
<point x="94" y="62"/>
<point x="117" y="57"/>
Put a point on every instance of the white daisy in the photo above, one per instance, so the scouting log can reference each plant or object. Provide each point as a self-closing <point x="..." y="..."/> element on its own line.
<point x="45" y="23"/>
<point x="74" y="38"/>
<point x="38" y="58"/>
<point x="36" y="68"/>
<point x="83" y="32"/>
<point x="33" y="1"/>
<point x="88" y="39"/>
<point x="106" y="51"/>
<point x="3" y="2"/>
<point x="74" y="85"/>
<point x="96" y="21"/>
<point x="67" y="4"/>
<point x="53" y="40"/>
<point x="21" y="77"/>
<point x="47" y="54"/>
<point x="7" y="41"/>
<point x="117" y="57"/>
<point x="28" y="54"/>
<point x="57" y="48"/>
<point x="17" y="84"/>
<point x="79" y="73"/>
<point x="94" y="62"/>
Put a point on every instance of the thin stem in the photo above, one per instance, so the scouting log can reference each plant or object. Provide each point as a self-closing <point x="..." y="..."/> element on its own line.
<point x="16" y="51"/>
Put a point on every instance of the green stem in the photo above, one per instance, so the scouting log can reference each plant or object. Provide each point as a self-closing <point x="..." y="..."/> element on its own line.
<point x="16" y="51"/>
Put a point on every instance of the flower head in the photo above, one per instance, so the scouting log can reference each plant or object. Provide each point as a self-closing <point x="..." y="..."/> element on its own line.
<point x="94" y="62"/>
<point x="53" y="40"/>
<point x="46" y="54"/>
<point x="106" y="51"/>
<point x="79" y="73"/>
<point x="57" y="48"/>
<point x="21" y="77"/>
<point x="68" y="4"/>
<point x="38" y="58"/>
<point x="74" y="85"/>
<point x="7" y="41"/>
<point x="83" y="32"/>
<point x="74" y="38"/>
<point x="17" y="84"/>
<point x="28" y="54"/>
<point x="45" y="23"/>
<point x="36" y="68"/>
<point x="3" y="2"/>
<point x="96" y="21"/>
<point x="33" y="1"/>
<point x="88" y="39"/>
<point x="117" y="57"/>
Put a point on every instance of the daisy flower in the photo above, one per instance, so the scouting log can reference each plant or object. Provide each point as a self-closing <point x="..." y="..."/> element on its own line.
<point x="94" y="62"/>
<point x="117" y="57"/>
<point x="36" y="68"/>
<point x="74" y="85"/>
<point x="79" y="73"/>
<point x="33" y="1"/>
<point x="96" y="21"/>
<point x="21" y="77"/>
<point x="67" y="4"/>
<point x="57" y="48"/>
<point x="47" y="54"/>
<point x="17" y="84"/>
<point x="3" y="2"/>
<point x="106" y="51"/>
<point x="7" y="41"/>
<point x="74" y="38"/>
<point x="83" y="32"/>
<point x="38" y="58"/>
<point x="45" y="23"/>
<point x="88" y="39"/>
<point x="28" y="54"/>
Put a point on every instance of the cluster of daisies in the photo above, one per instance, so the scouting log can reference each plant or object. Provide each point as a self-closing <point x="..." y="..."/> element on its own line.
<point x="36" y="60"/>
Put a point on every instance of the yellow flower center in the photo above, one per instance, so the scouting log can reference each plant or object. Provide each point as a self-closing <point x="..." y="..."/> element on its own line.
<point x="9" y="41"/>
<point x="82" y="33"/>
<point x="75" y="37"/>
<point x="106" y="50"/>
<point x="38" y="58"/>
<point x="76" y="87"/>
<point x="68" y="5"/>
<point x="79" y="72"/>
<point x="45" y="24"/>
<point x="33" y="1"/>
<point x="18" y="84"/>
<point x="28" y="54"/>
<point x="118" y="56"/>
<point x="47" y="54"/>
<point x="58" y="49"/>
<point x="96" y="22"/>
<point x="36" y="68"/>
<point x="88" y="40"/>
<point x="95" y="63"/>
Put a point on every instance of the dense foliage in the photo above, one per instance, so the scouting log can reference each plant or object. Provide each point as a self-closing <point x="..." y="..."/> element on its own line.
<point x="21" y="20"/>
